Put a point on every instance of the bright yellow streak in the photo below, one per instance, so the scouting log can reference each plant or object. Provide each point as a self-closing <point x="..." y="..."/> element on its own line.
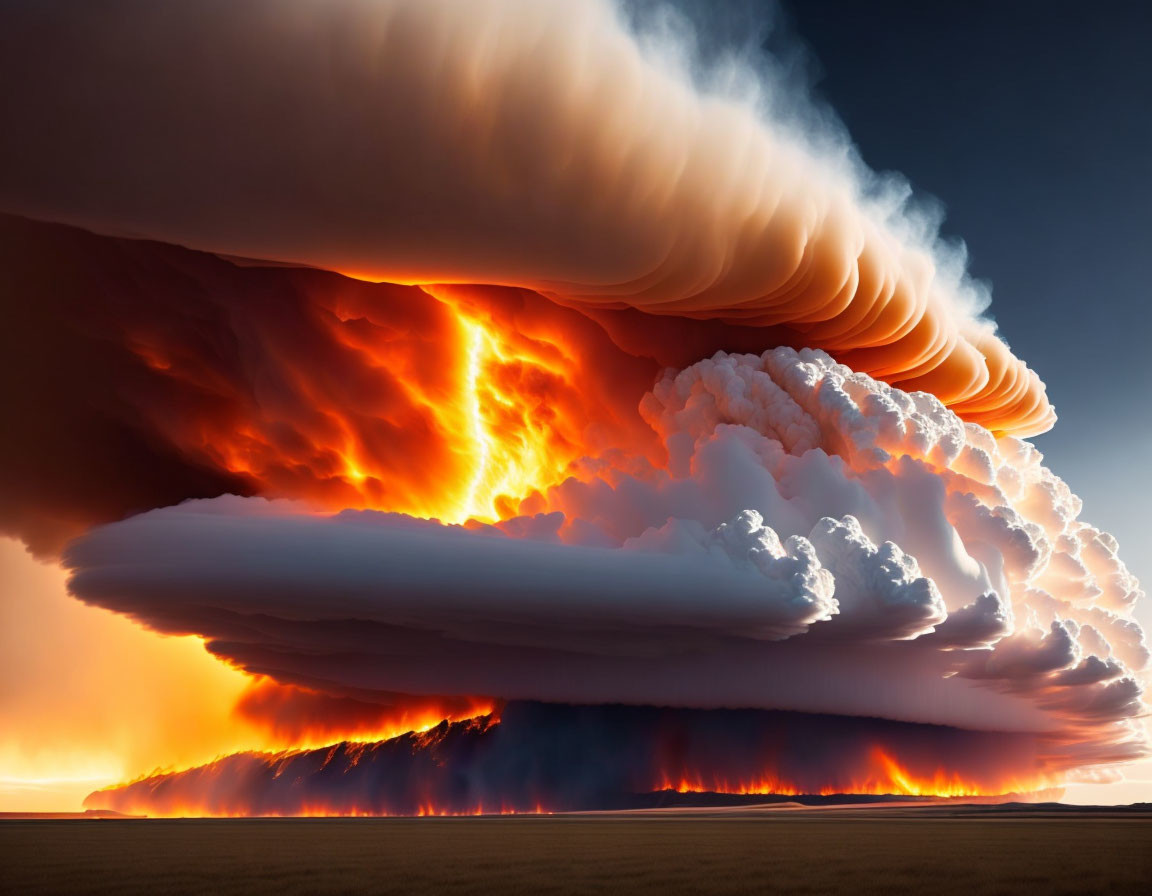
<point x="481" y="440"/>
<point x="514" y="438"/>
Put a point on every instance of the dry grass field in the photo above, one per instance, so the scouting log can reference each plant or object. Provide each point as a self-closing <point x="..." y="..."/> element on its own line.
<point x="777" y="852"/>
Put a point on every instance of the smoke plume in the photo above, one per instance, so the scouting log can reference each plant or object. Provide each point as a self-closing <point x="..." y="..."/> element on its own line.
<point x="536" y="757"/>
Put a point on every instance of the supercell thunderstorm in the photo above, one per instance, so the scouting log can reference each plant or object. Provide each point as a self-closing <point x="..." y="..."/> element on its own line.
<point x="544" y="393"/>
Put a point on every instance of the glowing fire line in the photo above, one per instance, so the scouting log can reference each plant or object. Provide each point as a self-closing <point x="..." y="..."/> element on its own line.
<point x="886" y="776"/>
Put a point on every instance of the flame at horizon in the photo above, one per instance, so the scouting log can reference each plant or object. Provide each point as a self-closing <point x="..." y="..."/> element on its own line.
<point x="883" y="774"/>
<point x="300" y="718"/>
<point x="548" y="758"/>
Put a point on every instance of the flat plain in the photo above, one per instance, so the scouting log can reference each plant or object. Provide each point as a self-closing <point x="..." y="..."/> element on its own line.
<point x="813" y="852"/>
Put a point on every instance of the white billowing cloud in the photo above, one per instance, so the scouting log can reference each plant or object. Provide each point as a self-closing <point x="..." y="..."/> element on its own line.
<point x="1030" y="652"/>
<point x="817" y="541"/>
<point x="174" y="563"/>
<point x="980" y="624"/>
<point x="1040" y="599"/>
<point x="682" y="615"/>
<point x="880" y="589"/>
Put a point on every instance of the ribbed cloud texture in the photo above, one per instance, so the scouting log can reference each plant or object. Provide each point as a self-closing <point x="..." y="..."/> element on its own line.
<point x="502" y="141"/>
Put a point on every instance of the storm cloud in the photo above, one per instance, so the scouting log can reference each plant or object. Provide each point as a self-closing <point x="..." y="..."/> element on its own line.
<point x="536" y="145"/>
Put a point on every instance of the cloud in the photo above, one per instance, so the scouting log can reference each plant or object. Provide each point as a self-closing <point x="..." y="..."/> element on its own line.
<point x="880" y="588"/>
<point x="846" y="523"/>
<point x="137" y="374"/>
<point x="979" y="624"/>
<point x="838" y="575"/>
<point x="178" y="564"/>
<point x="507" y="142"/>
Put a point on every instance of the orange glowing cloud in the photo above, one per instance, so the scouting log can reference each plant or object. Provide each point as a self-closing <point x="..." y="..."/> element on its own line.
<point x="181" y="375"/>
<point x="300" y="717"/>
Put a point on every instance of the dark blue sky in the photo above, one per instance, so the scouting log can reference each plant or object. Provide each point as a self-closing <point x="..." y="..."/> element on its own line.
<point x="1032" y="123"/>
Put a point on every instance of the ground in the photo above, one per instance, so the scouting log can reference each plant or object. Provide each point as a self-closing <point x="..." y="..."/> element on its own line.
<point x="734" y="851"/>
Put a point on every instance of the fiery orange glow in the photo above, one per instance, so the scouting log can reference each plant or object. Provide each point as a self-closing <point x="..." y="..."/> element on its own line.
<point x="95" y="699"/>
<point x="519" y="446"/>
<point x="436" y="406"/>
<point x="342" y="758"/>
<point x="320" y="810"/>
<point x="453" y="402"/>
<point x="881" y="774"/>
<point x="118" y="681"/>
<point x="697" y="782"/>
<point x="297" y="718"/>
<point x="502" y="764"/>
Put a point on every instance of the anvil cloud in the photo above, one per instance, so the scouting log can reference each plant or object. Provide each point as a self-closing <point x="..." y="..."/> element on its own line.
<point x="505" y="142"/>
